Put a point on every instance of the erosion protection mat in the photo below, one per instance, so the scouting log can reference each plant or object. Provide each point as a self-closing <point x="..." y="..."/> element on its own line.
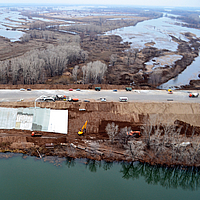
<point x="37" y="119"/>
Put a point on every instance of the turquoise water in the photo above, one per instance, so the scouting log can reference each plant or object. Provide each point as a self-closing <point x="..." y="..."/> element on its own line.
<point x="29" y="178"/>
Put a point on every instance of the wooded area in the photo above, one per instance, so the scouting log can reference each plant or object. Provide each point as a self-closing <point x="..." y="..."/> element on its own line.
<point x="37" y="66"/>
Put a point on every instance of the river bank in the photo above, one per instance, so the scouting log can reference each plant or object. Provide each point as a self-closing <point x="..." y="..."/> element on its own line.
<point x="170" y="133"/>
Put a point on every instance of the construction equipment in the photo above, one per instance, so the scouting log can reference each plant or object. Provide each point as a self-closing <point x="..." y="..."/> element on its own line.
<point x="33" y="134"/>
<point x="83" y="130"/>
<point x="133" y="134"/>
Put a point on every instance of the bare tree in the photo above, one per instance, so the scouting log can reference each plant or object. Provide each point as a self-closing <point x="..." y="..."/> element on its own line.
<point x="94" y="72"/>
<point x="74" y="72"/>
<point x="36" y="65"/>
<point x="112" y="131"/>
<point x="25" y="38"/>
<point x="113" y="59"/>
<point x="155" y="78"/>
<point x="136" y="149"/>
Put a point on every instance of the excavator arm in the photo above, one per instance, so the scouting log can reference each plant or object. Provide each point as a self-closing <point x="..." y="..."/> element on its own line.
<point x="83" y="129"/>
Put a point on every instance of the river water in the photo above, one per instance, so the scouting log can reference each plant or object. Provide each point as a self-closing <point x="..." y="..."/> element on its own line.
<point x="52" y="178"/>
<point x="13" y="35"/>
<point x="158" y="31"/>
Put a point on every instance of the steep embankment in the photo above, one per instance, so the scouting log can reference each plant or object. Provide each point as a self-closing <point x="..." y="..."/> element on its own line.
<point x="130" y="113"/>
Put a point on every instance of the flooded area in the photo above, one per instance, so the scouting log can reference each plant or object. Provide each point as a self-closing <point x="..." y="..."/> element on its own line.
<point x="158" y="33"/>
<point x="155" y="33"/>
<point x="25" y="177"/>
<point x="8" y="20"/>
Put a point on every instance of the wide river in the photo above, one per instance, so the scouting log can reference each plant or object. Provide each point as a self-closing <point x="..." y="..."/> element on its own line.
<point x="23" y="178"/>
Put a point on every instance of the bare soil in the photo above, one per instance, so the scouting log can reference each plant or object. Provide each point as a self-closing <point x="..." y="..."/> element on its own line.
<point x="95" y="144"/>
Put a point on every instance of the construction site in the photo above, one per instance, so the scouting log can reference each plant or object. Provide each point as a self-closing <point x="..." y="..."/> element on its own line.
<point x="168" y="131"/>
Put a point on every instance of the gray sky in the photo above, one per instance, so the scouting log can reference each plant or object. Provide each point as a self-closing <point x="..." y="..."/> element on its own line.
<point x="171" y="3"/>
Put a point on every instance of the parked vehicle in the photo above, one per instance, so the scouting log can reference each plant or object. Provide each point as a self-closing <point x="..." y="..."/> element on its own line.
<point x="123" y="99"/>
<point x="28" y="89"/>
<point x="194" y="95"/>
<point x="61" y="97"/>
<point x="170" y="91"/>
<point x="45" y="98"/>
<point x="115" y="90"/>
<point x="78" y="89"/>
<point x="70" y="89"/>
<point x="97" y="88"/>
<point x="22" y="89"/>
<point x="86" y="101"/>
<point x="49" y="99"/>
<point x="128" y="89"/>
<point x="103" y="99"/>
<point x="74" y="100"/>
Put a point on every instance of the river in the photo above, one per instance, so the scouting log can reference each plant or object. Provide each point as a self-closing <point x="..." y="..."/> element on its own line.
<point x="23" y="178"/>
<point x="6" y="18"/>
<point x="159" y="31"/>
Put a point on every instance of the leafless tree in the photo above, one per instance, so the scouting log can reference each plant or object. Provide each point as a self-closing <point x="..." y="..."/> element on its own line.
<point x="149" y="121"/>
<point x="74" y="72"/>
<point x="122" y="135"/>
<point x="112" y="131"/>
<point x="113" y="59"/>
<point x="136" y="149"/>
<point x="25" y="38"/>
<point x="94" y="72"/>
<point x="36" y="65"/>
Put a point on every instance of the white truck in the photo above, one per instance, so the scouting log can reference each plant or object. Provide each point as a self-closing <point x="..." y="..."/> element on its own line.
<point x="123" y="99"/>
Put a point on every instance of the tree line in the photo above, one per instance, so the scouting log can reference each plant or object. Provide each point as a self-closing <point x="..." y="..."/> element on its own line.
<point x="47" y="35"/>
<point x="93" y="72"/>
<point x="37" y="66"/>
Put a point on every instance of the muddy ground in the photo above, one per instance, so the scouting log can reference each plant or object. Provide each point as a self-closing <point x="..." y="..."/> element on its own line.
<point x="96" y="144"/>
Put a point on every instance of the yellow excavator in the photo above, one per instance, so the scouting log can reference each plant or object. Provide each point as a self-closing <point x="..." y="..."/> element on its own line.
<point x="83" y="130"/>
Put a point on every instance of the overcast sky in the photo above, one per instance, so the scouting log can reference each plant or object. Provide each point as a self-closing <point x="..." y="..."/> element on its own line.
<point x="173" y="3"/>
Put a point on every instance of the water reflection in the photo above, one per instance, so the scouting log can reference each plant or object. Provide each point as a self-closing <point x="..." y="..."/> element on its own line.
<point x="70" y="162"/>
<point x="174" y="178"/>
<point x="187" y="179"/>
<point x="167" y="177"/>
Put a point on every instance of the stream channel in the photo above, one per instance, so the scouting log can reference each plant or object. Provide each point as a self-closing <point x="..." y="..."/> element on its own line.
<point x="24" y="177"/>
